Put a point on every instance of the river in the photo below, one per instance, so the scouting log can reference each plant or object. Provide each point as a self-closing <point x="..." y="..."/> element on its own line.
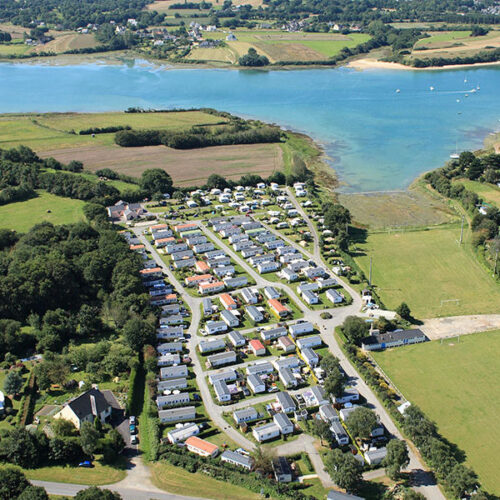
<point x="377" y="138"/>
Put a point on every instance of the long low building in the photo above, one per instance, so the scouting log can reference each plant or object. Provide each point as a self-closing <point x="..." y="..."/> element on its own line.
<point x="234" y="458"/>
<point x="172" y="400"/>
<point x="182" y="433"/>
<point x="177" y="414"/>
<point x="393" y="339"/>
<point x="266" y="432"/>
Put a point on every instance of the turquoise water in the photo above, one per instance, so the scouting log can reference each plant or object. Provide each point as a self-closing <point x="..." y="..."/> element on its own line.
<point x="377" y="139"/>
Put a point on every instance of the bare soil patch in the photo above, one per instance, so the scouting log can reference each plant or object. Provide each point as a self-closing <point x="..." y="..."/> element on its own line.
<point x="187" y="167"/>
<point x="441" y="328"/>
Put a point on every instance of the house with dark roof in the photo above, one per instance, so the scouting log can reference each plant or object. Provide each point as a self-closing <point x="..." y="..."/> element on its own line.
<point x="85" y="408"/>
<point x="393" y="339"/>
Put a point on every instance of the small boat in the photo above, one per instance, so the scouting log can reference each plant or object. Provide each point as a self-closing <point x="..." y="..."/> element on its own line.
<point x="398" y="91"/>
<point x="458" y="100"/>
<point x="478" y="88"/>
<point x="472" y="91"/>
<point x="454" y="156"/>
<point x="431" y="88"/>
<point x="465" y="80"/>
<point x="466" y="95"/>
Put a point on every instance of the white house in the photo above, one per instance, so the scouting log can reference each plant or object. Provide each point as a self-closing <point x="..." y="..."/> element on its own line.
<point x="283" y="422"/>
<point x="256" y="384"/>
<point x="266" y="432"/>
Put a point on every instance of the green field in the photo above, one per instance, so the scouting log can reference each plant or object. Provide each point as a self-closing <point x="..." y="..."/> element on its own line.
<point x="54" y="130"/>
<point x="445" y="36"/>
<point x="23" y="215"/>
<point x="488" y="192"/>
<point x="457" y="384"/>
<point x="423" y="268"/>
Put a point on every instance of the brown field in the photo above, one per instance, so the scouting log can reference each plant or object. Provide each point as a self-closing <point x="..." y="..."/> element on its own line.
<point x="187" y="167"/>
<point x="224" y="54"/>
<point x="15" y="31"/>
<point x="66" y="42"/>
<point x="407" y="209"/>
<point x="288" y="52"/>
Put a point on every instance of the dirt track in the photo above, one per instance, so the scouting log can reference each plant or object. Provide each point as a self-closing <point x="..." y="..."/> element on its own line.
<point x="439" y="328"/>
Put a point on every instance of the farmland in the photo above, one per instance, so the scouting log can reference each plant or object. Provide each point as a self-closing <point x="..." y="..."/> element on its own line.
<point x="56" y="135"/>
<point x="21" y="216"/>
<point x="457" y="384"/>
<point x="280" y="46"/>
<point x="424" y="268"/>
<point x="488" y="192"/>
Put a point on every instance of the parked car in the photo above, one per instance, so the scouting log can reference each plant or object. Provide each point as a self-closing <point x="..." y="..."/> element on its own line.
<point x="134" y="439"/>
<point x="132" y="420"/>
<point x="132" y="429"/>
<point x="86" y="463"/>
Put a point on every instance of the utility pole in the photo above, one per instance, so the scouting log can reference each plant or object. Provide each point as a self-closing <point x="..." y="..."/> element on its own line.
<point x="496" y="262"/>
<point x="462" y="231"/>
<point x="370" y="277"/>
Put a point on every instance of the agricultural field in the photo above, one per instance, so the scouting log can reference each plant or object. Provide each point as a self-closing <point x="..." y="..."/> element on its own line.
<point x="70" y="41"/>
<point x="457" y="384"/>
<point x="23" y="215"/>
<point x="488" y="192"/>
<point x="56" y="135"/>
<point x="283" y="46"/>
<point x="425" y="268"/>
<point x="454" y="44"/>
<point x="402" y="209"/>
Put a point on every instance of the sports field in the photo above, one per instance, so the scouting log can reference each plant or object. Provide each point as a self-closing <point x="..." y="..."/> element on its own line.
<point x="23" y="215"/>
<point x="488" y="192"/>
<point x="425" y="268"/>
<point x="457" y="384"/>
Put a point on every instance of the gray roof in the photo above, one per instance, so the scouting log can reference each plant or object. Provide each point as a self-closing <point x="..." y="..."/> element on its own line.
<point x="240" y="459"/>
<point x="255" y="380"/>
<point x="403" y="335"/>
<point x="285" y="400"/>
<point x="338" y="495"/>
<point x="246" y="412"/>
<point x="282" y="420"/>
<point x="82" y="406"/>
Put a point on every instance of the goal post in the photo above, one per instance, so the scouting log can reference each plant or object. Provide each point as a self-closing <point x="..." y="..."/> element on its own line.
<point x="446" y="302"/>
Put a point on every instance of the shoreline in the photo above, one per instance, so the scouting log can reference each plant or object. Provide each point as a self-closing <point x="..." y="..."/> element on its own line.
<point x="366" y="63"/>
<point x="129" y="56"/>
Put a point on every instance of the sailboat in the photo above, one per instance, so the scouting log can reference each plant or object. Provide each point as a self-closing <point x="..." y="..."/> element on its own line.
<point x="455" y="155"/>
<point x="398" y="91"/>
<point x="431" y="88"/>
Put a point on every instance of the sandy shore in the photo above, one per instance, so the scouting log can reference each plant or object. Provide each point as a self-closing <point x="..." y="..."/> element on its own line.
<point x="374" y="64"/>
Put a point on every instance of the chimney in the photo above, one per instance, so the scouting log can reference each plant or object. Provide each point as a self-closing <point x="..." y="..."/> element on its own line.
<point x="93" y="405"/>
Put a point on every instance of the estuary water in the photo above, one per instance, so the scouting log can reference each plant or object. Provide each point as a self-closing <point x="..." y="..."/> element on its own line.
<point x="381" y="128"/>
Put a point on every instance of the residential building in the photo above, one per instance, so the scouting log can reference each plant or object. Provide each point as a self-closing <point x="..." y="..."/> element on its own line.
<point x="256" y="347"/>
<point x="256" y="384"/>
<point x="350" y="395"/>
<point x="249" y="296"/>
<point x="167" y="347"/>
<point x="201" y="447"/>
<point x="169" y="372"/>
<point x="333" y="296"/>
<point x="326" y="282"/>
<point x="313" y="272"/>
<point x="266" y="432"/>
<point x="169" y="332"/>
<point x="245" y="415"/>
<point x="185" y="254"/>
<point x="260" y="368"/>
<point x="282" y="470"/>
<point x="288" y="274"/>
<point x="229" y="318"/>
<point x="234" y="458"/>
<point x="172" y="400"/>
<point x="222" y="359"/>
<point x="226" y="376"/>
<point x="168" y="359"/>
<point x="201" y="267"/>
<point x="287" y="362"/>
<point x="375" y="456"/>
<point x="206" y="346"/>
<point x="221" y="391"/>
<point x="315" y="396"/>
<point x="286" y="402"/>
<point x="300" y="328"/>
<point x="203" y="247"/>
<point x="206" y="288"/>
<point x="154" y="272"/>
<point x="213" y="327"/>
<point x="197" y="280"/>
<point x="311" y="342"/>
<point x="272" y="333"/>
<point x="254" y="314"/>
<point x="171" y="385"/>
<point x="222" y="271"/>
<point x="227" y="301"/>
<point x="175" y="415"/>
<point x="267" y="267"/>
<point x="181" y="228"/>
<point x="236" y="338"/>
<point x="271" y="293"/>
<point x="286" y="376"/>
<point x="180" y="434"/>
<point x="310" y="297"/>
<point x="278" y="308"/>
<point x="286" y="344"/>
<point x="175" y="247"/>
<point x="235" y="282"/>
<point x="259" y="259"/>
<point x="86" y="407"/>
<point x="339" y="433"/>
<point x="207" y="306"/>
<point x="181" y="264"/>
<point x="284" y="423"/>
<point x="345" y="412"/>
<point x="310" y="357"/>
<point x="338" y="495"/>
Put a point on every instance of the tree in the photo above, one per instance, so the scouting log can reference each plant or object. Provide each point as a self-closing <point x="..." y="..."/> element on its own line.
<point x="156" y="180"/>
<point x="336" y="217"/>
<point x="334" y="382"/>
<point x="64" y="451"/>
<point x="63" y="428"/>
<point x="95" y="493"/>
<point x="33" y="493"/>
<point x="321" y="429"/>
<point x="89" y="438"/>
<point x="138" y="333"/>
<point x="397" y="457"/>
<point x="404" y="311"/>
<point x="361" y="422"/>
<point x="13" y="383"/>
<point x="263" y="459"/>
<point x="216" y="181"/>
<point x="462" y="481"/>
<point x="344" y="469"/>
<point x="12" y="483"/>
<point x="24" y="448"/>
<point x="410" y="494"/>
<point x="253" y="59"/>
<point x="355" y="329"/>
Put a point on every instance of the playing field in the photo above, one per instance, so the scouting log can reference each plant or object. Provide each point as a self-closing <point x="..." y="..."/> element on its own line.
<point x="488" y="192"/>
<point x="23" y="215"/>
<point x="427" y="268"/>
<point x="457" y="384"/>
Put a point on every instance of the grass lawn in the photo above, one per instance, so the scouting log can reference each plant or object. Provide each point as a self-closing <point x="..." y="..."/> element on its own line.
<point x="23" y="215"/>
<point x="423" y="268"/>
<point x="98" y="475"/>
<point x="488" y="192"/>
<point x="457" y="384"/>
<point x="445" y="36"/>
<point x="175" y="479"/>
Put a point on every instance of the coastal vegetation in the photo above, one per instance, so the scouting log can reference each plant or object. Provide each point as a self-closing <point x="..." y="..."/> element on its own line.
<point x="446" y="379"/>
